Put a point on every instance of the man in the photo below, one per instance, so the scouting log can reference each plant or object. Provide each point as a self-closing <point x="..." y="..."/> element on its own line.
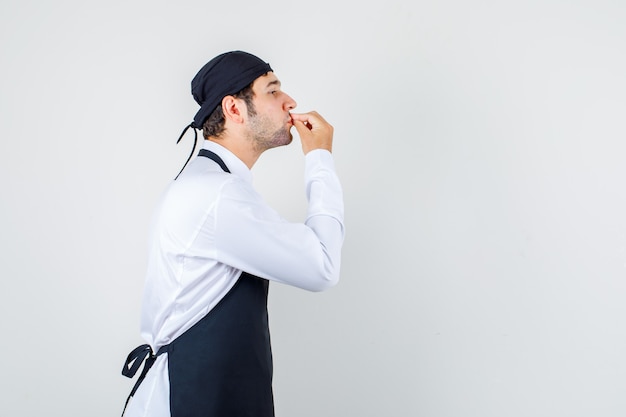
<point x="215" y="245"/>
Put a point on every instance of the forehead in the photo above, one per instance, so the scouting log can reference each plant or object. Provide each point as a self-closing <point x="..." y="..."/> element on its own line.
<point x="266" y="81"/>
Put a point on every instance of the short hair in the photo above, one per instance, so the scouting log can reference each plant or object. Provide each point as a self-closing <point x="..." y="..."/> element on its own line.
<point x="213" y="126"/>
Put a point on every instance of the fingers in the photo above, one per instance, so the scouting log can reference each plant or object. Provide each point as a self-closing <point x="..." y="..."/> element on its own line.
<point x="314" y="131"/>
<point x="303" y="127"/>
<point x="312" y="119"/>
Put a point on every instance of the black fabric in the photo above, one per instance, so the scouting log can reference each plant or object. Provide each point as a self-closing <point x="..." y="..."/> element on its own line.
<point x="134" y="360"/>
<point x="226" y="74"/>
<point x="211" y="155"/>
<point x="222" y="366"/>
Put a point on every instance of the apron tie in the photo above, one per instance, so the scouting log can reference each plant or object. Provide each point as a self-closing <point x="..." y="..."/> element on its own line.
<point x="133" y="362"/>
<point x="195" y="141"/>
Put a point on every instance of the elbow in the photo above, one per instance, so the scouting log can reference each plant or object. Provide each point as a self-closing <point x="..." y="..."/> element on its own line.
<point x="321" y="272"/>
<point x="324" y="282"/>
<point x="327" y="275"/>
<point x="331" y="283"/>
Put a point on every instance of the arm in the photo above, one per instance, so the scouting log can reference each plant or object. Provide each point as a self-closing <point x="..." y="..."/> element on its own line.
<point x="254" y="238"/>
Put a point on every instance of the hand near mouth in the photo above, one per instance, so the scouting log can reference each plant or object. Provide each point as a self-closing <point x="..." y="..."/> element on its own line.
<point x="314" y="131"/>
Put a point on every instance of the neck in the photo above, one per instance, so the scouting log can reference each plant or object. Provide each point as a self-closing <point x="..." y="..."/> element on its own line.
<point x="240" y="148"/>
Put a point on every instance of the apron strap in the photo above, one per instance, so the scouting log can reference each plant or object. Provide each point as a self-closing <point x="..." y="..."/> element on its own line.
<point x="212" y="155"/>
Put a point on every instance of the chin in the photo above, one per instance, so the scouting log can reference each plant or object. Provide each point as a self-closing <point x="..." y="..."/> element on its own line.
<point x="284" y="139"/>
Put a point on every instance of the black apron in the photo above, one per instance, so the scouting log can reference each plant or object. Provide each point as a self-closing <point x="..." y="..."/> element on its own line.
<point x="222" y="365"/>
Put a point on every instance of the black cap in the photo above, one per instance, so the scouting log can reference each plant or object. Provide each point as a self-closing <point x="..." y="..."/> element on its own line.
<point x="224" y="75"/>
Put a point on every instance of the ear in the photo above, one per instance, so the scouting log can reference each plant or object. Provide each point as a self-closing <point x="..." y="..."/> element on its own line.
<point x="233" y="109"/>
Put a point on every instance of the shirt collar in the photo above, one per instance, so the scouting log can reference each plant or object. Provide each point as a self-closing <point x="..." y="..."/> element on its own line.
<point x="234" y="164"/>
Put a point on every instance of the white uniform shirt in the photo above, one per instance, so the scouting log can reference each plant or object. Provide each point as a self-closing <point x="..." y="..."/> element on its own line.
<point x="208" y="227"/>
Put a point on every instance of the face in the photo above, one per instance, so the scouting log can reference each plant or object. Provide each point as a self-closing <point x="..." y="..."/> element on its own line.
<point x="270" y="126"/>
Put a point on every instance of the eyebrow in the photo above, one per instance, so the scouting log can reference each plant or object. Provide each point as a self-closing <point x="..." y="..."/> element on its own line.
<point x="272" y="83"/>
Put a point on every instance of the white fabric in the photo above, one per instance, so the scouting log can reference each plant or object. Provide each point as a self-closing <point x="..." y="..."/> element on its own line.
<point x="208" y="227"/>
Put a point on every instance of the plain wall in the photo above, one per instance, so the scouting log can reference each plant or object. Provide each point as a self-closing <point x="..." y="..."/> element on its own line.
<point x="481" y="147"/>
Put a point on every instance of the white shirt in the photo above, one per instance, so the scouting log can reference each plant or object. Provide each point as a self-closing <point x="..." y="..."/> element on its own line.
<point x="208" y="227"/>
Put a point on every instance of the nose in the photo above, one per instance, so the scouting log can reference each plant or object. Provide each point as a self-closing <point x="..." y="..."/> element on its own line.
<point x="290" y="103"/>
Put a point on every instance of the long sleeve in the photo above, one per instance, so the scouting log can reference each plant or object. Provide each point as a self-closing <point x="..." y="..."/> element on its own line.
<point x="251" y="236"/>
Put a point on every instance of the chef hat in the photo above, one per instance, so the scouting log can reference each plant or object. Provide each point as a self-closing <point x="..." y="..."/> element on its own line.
<point x="224" y="75"/>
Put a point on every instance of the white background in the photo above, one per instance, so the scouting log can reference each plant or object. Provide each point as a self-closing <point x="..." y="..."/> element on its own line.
<point x="481" y="146"/>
